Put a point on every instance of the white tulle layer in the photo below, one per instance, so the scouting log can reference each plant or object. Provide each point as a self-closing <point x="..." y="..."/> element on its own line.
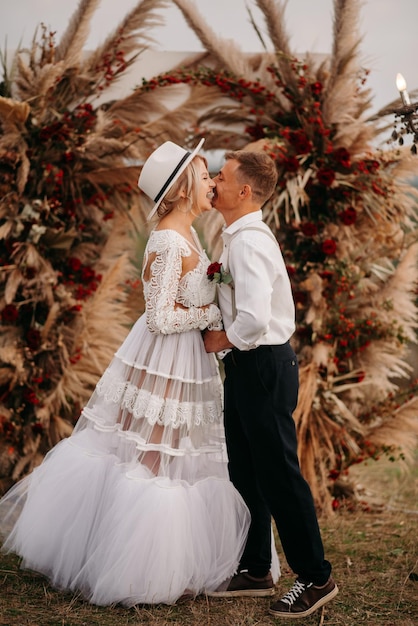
<point x="119" y="534"/>
<point x="136" y="506"/>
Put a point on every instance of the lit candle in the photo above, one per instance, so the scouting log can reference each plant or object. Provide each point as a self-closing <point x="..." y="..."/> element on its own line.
<point x="401" y="85"/>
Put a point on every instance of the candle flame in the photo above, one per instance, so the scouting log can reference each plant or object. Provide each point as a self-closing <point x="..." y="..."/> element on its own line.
<point x="400" y="82"/>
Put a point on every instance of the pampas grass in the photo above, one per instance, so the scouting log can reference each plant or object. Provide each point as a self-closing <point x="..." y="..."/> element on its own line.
<point x="347" y="395"/>
<point x="69" y="208"/>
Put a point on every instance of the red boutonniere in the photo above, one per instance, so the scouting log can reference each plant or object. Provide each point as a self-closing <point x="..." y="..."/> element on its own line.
<point x="216" y="273"/>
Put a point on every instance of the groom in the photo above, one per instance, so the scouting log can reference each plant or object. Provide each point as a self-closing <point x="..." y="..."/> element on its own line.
<point x="261" y="391"/>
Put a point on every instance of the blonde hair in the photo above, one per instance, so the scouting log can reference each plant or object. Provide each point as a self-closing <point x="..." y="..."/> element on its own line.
<point x="189" y="180"/>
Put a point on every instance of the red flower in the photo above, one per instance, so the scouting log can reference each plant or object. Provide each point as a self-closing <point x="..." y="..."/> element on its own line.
<point x="316" y="88"/>
<point x="216" y="273"/>
<point x="87" y="274"/>
<point x="214" y="268"/>
<point x="309" y="229"/>
<point x="291" y="164"/>
<point x="335" y="504"/>
<point x="33" y="338"/>
<point x="7" y="428"/>
<point x="342" y="157"/>
<point x="370" y="165"/>
<point x="329" y="246"/>
<point x="9" y="314"/>
<point x="74" y="263"/>
<point x="257" y="131"/>
<point x="30" y="396"/>
<point x="326" y="274"/>
<point x="373" y="165"/>
<point x="348" y="216"/>
<point x="299" y="140"/>
<point x="325" y="176"/>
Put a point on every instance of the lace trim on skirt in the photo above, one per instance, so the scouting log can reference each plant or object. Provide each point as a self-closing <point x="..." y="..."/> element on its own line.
<point x="163" y="411"/>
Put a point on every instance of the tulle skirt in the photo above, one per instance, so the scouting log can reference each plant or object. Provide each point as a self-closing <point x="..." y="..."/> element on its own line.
<point x="136" y="506"/>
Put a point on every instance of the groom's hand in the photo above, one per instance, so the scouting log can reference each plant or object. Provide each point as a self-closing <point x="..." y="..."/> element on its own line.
<point x="216" y="341"/>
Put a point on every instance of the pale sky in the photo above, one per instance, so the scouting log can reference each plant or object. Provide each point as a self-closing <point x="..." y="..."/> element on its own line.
<point x="389" y="29"/>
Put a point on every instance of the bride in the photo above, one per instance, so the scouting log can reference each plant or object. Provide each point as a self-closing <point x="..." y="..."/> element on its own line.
<point x="136" y="506"/>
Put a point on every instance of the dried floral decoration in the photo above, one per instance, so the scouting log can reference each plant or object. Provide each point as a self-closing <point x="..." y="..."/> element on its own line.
<point x="345" y="217"/>
<point x="65" y="188"/>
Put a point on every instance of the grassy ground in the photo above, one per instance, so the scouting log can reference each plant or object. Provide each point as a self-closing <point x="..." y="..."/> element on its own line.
<point x="374" y="554"/>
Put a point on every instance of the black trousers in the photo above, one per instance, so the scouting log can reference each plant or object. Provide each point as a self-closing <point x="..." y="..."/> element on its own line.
<point x="261" y="390"/>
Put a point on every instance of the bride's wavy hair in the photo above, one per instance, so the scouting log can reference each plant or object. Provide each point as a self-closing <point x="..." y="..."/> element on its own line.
<point x="189" y="180"/>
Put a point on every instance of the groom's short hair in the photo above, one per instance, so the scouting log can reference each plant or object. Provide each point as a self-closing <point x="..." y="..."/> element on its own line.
<point x="256" y="169"/>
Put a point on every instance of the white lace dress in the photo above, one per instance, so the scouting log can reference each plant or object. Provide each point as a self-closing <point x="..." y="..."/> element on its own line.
<point x="136" y="506"/>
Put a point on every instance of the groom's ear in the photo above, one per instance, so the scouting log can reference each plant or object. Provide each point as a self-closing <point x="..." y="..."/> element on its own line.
<point x="245" y="192"/>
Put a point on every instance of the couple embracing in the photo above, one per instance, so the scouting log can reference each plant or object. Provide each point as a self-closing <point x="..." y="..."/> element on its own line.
<point x="145" y="503"/>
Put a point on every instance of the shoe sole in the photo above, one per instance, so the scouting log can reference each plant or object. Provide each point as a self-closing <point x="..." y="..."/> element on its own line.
<point x="309" y="611"/>
<point x="243" y="593"/>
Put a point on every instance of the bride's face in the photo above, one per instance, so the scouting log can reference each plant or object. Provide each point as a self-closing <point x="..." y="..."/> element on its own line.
<point x="205" y="190"/>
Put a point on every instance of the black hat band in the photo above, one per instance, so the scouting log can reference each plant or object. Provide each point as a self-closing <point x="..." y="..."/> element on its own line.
<point x="170" y="178"/>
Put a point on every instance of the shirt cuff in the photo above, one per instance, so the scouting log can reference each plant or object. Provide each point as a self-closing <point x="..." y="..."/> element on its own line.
<point x="237" y="341"/>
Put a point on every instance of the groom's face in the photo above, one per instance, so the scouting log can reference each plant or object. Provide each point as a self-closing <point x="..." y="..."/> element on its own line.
<point x="227" y="191"/>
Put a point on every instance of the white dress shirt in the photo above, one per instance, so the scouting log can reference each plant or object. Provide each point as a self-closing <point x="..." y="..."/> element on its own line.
<point x="265" y="311"/>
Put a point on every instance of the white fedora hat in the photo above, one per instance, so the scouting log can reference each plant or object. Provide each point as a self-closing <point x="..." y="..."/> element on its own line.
<point x="161" y="170"/>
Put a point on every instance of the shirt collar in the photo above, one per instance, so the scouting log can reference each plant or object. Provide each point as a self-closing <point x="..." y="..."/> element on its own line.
<point x="242" y="222"/>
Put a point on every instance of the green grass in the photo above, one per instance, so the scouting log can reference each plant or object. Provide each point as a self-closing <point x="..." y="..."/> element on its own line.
<point x="374" y="555"/>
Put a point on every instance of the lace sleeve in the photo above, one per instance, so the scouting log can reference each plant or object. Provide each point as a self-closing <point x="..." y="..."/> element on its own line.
<point x="162" y="314"/>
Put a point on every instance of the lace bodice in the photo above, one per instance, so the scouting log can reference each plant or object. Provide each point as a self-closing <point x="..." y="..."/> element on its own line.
<point x="167" y="288"/>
